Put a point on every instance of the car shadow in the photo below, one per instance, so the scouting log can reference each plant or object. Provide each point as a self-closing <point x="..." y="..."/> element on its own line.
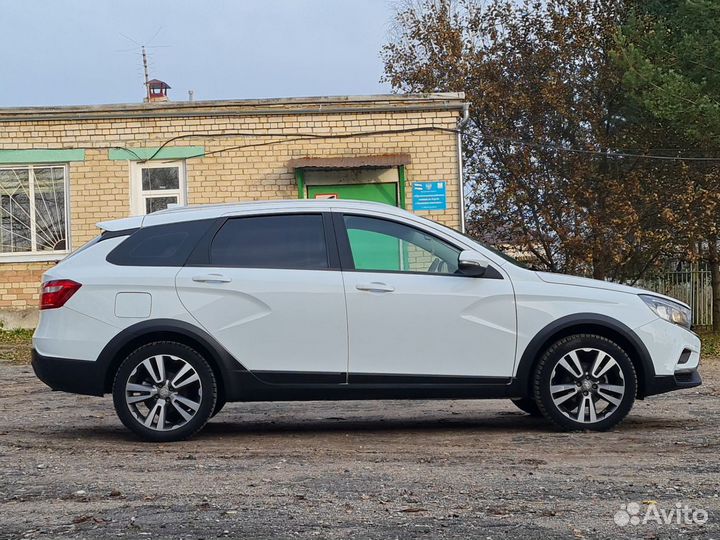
<point x="235" y="425"/>
<point x="519" y="423"/>
<point x="231" y="424"/>
<point x="511" y="423"/>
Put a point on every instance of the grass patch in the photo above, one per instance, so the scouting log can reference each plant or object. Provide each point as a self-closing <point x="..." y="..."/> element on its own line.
<point x="15" y="345"/>
<point x="710" y="343"/>
<point x="20" y="335"/>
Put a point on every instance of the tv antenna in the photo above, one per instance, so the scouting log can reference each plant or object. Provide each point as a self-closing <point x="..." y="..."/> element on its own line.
<point x="144" y="54"/>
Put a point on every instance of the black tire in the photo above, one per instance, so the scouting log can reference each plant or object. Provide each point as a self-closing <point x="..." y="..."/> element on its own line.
<point x="219" y="404"/>
<point x="204" y="388"/>
<point x="527" y="405"/>
<point x="586" y="348"/>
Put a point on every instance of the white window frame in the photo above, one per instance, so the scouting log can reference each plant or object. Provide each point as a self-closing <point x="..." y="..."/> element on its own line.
<point x="40" y="256"/>
<point x="138" y="195"/>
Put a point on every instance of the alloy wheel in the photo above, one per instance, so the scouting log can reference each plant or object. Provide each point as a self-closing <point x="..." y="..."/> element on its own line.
<point x="163" y="392"/>
<point x="587" y="385"/>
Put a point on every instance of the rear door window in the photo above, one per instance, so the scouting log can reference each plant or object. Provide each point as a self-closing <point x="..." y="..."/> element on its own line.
<point x="293" y="241"/>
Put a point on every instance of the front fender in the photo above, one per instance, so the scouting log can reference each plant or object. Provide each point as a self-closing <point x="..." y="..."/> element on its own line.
<point x="584" y="323"/>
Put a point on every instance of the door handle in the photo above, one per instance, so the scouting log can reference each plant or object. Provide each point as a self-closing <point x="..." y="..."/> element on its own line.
<point x="211" y="278"/>
<point x="375" y="286"/>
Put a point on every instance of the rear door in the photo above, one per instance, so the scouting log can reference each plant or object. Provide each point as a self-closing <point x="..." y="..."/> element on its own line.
<point x="269" y="289"/>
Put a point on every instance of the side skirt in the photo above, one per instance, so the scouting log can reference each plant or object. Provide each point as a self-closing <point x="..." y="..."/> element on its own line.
<point x="256" y="386"/>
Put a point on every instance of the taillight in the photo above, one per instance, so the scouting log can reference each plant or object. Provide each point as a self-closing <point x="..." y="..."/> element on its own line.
<point x="55" y="293"/>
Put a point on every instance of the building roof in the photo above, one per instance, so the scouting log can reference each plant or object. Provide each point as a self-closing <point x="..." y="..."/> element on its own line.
<point x="351" y="162"/>
<point x="245" y="107"/>
<point x="158" y="82"/>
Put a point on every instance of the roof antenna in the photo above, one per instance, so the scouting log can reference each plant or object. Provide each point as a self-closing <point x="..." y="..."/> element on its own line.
<point x="144" y="52"/>
<point x="145" y="69"/>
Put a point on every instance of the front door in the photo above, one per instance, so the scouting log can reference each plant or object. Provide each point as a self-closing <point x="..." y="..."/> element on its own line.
<point x="410" y="313"/>
<point x="272" y="295"/>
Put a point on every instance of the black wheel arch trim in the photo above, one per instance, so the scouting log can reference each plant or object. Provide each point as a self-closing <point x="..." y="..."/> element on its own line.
<point x="126" y="340"/>
<point x="585" y="323"/>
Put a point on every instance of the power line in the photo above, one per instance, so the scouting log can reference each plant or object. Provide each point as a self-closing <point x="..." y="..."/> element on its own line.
<point x="294" y="137"/>
<point x="609" y="153"/>
<point x="289" y="137"/>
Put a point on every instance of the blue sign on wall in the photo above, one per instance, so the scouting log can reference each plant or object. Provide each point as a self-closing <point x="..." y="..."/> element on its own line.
<point x="429" y="196"/>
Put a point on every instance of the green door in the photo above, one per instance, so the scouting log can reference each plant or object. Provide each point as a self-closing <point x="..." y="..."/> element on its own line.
<point x="369" y="249"/>
<point x="384" y="193"/>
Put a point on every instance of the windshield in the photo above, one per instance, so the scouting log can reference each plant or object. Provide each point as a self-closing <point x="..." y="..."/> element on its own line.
<point x="494" y="250"/>
<point x="499" y="253"/>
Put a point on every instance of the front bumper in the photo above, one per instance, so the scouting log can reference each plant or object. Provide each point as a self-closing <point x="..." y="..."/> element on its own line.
<point x="667" y="383"/>
<point x="667" y="344"/>
<point x="67" y="375"/>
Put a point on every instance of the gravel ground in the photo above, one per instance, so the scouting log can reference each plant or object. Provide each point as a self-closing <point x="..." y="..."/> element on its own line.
<point x="390" y="469"/>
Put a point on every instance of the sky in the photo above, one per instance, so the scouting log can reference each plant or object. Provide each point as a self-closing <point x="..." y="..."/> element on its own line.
<point x="83" y="52"/>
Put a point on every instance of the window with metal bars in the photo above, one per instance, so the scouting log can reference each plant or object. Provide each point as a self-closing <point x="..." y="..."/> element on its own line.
<point x="33" y="209"/>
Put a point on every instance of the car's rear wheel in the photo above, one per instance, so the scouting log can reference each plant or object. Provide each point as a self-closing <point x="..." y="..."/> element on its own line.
<point x="219" y="404"/>
<point x="164" y="391"/>
<point x="585" y="382"/>
<point x="527" y="405"/>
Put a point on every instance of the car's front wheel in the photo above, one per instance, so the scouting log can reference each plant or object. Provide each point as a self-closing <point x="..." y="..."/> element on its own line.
<point x="585" y="382"/>
<point x="164" y="391"/>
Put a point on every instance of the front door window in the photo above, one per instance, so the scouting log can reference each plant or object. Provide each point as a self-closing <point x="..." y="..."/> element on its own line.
<point x="378" y="245"/>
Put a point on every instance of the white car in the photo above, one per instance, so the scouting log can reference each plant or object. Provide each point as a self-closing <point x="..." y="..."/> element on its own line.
<point x="180" y="311"/>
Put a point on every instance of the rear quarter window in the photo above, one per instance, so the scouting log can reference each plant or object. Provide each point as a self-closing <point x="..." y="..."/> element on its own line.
<point x="160" y="245"/>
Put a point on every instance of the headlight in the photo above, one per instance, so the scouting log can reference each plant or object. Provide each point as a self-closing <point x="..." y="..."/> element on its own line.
<point x="668" y="310"/>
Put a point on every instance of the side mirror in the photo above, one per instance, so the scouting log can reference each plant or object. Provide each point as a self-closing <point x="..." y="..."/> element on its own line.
<point x="471" y="263"/>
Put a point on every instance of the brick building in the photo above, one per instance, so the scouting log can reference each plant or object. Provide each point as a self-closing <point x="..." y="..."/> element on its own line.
<point x="63" y="169"/>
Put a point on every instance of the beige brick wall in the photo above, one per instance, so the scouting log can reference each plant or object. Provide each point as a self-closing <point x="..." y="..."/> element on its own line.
<point x="19" y="284"/>
<point x="100" y="187"/>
